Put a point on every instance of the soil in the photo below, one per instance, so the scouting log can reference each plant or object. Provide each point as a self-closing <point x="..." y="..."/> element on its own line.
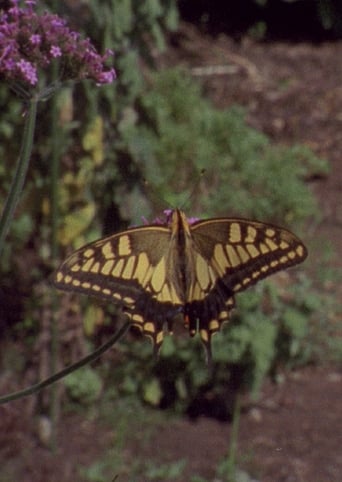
<point x="292" y="92"/>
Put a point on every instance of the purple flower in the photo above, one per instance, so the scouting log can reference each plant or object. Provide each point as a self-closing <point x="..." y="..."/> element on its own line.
<point x="35" y="39"/>
<point x="28" y="71"/>
<point x="106" y="77"/>
<point x="55" y="51"/>
<point x="166" y="219"/>
<point x="30" y="42"/>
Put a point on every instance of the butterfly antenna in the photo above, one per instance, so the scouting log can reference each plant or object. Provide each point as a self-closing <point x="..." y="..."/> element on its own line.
<point x="154" y="198"/>
<point x="195" y="187"/>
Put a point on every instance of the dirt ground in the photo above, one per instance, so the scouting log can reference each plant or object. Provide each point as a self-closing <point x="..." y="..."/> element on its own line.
<point x="292" y="92"/>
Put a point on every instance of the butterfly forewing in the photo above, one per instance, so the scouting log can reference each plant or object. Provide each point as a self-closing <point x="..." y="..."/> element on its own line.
<point x="241" y="252"/>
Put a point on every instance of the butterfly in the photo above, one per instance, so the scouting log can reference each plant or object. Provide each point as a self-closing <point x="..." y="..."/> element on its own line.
<point x="180" y="269"/>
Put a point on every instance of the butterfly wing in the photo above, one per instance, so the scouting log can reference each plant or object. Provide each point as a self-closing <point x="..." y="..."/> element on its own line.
<point x="156" y="272"/>
<point x="130" y="269"/>
<point x="230" y="255"/>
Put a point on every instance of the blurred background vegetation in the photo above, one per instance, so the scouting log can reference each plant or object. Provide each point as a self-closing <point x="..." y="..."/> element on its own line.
<point x="155" y="124"/>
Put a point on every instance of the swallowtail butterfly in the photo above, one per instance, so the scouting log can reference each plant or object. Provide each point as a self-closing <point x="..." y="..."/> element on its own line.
<point x="192" y="269"/>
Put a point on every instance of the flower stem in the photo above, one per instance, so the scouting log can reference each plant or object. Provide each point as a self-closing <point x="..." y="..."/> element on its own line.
<point x="234" y="439"/>
<point x="20" y="171"/>
<point x="69" y="369"/>
<point x="55" y="132"/>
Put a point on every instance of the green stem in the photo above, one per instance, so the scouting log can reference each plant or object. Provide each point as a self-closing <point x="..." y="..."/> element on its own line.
<point x="69" y="369"/>
<point x="54" y="175"/>
<point x="20" y="171"/>
<point x="234" y="439"/>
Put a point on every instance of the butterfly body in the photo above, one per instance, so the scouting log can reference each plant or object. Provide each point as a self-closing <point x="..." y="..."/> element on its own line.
<point x="159" y="271"/>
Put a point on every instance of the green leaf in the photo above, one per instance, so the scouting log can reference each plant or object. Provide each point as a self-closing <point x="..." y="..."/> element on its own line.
<point x="152" y="392"/>
<point x="93" y="317"/>
<point x="84" y="385"/>
<point x="295" y="322"/>
<point x="76" y="223"/>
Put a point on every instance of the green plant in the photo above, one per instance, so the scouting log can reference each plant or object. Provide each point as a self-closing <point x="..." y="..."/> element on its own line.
<point x="181" y="131"/>
<point x="162" y="127"/>
<point x="118" y="460"/>
<point x="186" y="132"/>
<point x="170" y="471"/>
<point x="84" y="386"/>
<point x="76" y="198"/>
<point x="273" y="327"/>
<point x="89" y="164"/>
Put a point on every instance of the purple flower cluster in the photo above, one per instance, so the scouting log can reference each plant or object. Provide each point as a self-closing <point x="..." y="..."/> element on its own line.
<point x="30" y="42"/>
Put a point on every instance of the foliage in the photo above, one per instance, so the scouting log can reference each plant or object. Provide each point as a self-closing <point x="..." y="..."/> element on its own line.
<point x="118" y="413"/>
<point x="274" y="326"/>
<point x="85" y="177"/>
<point x="83" y="386"/>
<point x="181" y="131"/>
<point x="104" y="468"/>
<point x="228" y="474"/>
<point x="158" y="128"/>
<point x="171" y="471"/>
